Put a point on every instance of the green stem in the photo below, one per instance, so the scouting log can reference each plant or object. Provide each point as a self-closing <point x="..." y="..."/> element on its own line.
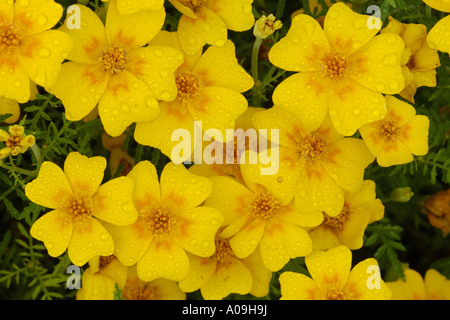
<point x="255" y="55"/>
<point x="37" y="154"/>
<point x="19" y="170"/>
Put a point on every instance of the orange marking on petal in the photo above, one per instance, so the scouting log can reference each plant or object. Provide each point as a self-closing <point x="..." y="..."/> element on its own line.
<point x="125" y="41"/>
<point x="163" y="244"/>
<point x="315" y="54"/>
<point x="24" y="21"/>
<point x="342" y="45"/>
<point x="31" y="48"/>
<point x="93" y="46"/>
<point x="390" y="146"/>
<point x="175" y="111"/>
<point x="118" y="87"/>
<point x="175" y="199"/>
<point x="274" y="228"/>
<point x="343" y="92"/>
<point x="405" y="132"/>
<point x="92" y="77"/>
<point x="199" y="104"/>
<point x="332" y="154"/>
<point x="314" y="173"/>
<point x="318" y="87"/>
<point x="295" y="135"/>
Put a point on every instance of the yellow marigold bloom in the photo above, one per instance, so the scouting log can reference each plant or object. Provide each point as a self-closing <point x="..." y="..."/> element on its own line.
<point x="80" y="207"/>
<point x="347" y="228"/>
<point x="343" y="69"/>
<point x="435" y="286"/>
<point x="100" y="279"/>
<point x="438" y="37"/>
<point x="170" y="222"/>
<point x="254" y="218"/>
<point x="110" y="66"/>
<point x="224" y="273"/>
<point x="438" y="211"/>
<point x="132" y="6"/>
<point x="16" y="141"/>
<point x="209" y="90"/>
<point x="315" y="167"/>
<point x="206" y="21"/>
<point x="230" y="166"/>
<point x="332" y="278"/>
<point x="265" y="26"/>
<point x="158" y="289"/>
<point x="394" y="139"/>
<point x="419" y="61"/>
<point x="29" y="51"/>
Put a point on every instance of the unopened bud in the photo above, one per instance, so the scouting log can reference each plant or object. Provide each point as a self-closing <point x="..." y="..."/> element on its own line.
<point x="401" y="194"/>
<point x="265" y="26"/>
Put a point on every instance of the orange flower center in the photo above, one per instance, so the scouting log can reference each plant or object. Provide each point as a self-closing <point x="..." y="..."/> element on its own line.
<point x="113" y="58"/>
<point x="159" y="221"/>
<point x="338" y="221"/>
<point x="335" y="293"/>
<point x="192" y="4"/>
<point x="313" y="147"/>
<point x="81" y="207"/>
<point x="264" y="206"/>
<point x="334" y="65"/>
<point x="188" y="85"/>
<point x="223" y="249"/>
<point x="139" y="293"/>
<point x="9" y="37"/>
<point x="105" y="260"/>
<point x="390" y="130"/>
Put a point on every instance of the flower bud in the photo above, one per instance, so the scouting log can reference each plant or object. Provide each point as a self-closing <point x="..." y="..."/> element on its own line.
<point x="401" y="194"/>
<point x="265" y="26"/>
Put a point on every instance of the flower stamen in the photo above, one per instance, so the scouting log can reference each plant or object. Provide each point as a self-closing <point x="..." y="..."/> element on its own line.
<point x="159" y="221"/>
<point x="192" y="4"/>
<point x="113" y="58"/>
<point x="9" y="37"/>
<point x="188" y="85"/>
<point x="390" y="130"/>
<point x="223" y="249"/>
<point x="313" y="147"/>
<point x="334" y="65"/>
<point x="338" y="221"/>
<point x="264" y="206"/>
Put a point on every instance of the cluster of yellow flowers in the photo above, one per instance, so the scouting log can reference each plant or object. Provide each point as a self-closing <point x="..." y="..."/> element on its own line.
<point x="220" y="228"/>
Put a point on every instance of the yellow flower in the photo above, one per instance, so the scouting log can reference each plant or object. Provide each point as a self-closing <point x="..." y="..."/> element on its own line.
<point x="100" y="279"/>
<point x="170" y="222"/>
<point x="394" y="139"/>
<point x="158" y="289"/>
<point x="80" y="207"/>
<point x="28" y="49"/>
<point x="343" y="69"/>
<point x="360" y="209"/>
<point x="435" y="286"/>
<point x="419" y="61"/>
<point x="265" y="26"/>
<point x="224" y="273"/>
<point x="254" y="218"/>
<point x="128" y="7"/>
<point x="315" y="167"/>
<point x="110" y="66"/>
<point x="209" y="90"/>
<point x="16" y="141"/>
<point x="333" y="279"/>
<point x="206" y="21"/>
<point x="438" y="37"/>
<point x="230" y="166"/>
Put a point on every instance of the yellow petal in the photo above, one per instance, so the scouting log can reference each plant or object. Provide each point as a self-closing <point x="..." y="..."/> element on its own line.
<point x="436" y="37"/>
<point x="114" y="202"/>
<point x="155" y="66"/>
<point x="127" y="7"/>
<point x="41" y="55"/>
<point x="283" y="241"/>
<point x="306" y="96"/>
<point x="14" y="82"/>
<point x="88" y="40"/>
<point x="89" y="239"/>
<point x="130" y="242"/>
<point x="237" y="14"/>
<point x="55" y="230"/>
<point x="233" y="277"/>
<point x="377" y="66"/>
<point x="326" y="273"/>
<point x="9" y="106"/>
<point x="414" y="135"/>
<point x="84" y="174"/>
<point x="36" y="16"/>
<point x="96" y="286"/>
<point x="7" y="11"/>
<point x="80" y="87"/>
<point x="196" y="229"/>
<point x="133" y="30"/>
<point x="146" y="192"/>
<point x="324" y="238"/>
<point x="163" y="259"/>
<point x="207" y="28"/>
<point x="394" y="153"/>
<point x="373" y="137"/>
<point x="297" y="286"/>
<point x="346" y="30"/>
<point x="347" y="114"/>
<point x="201" y="271"/>
<point x="303" y="46"/>
<point x="346" y="162"/>
<point x="352" y="232"/>
<point x="437" y="286"/>
<point x="442" y="5"/>
<point x="218" y="108"/>
<point x="51" y="188"/>
<point x="126" y="100"/>
<point x="245" y="241"/>
<point x="359" y="282"/>
<point x="260" y="274"/>
<point x="220" y="68"/>
<point x="182" y="189"/>
<point x="183" y="9"/>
